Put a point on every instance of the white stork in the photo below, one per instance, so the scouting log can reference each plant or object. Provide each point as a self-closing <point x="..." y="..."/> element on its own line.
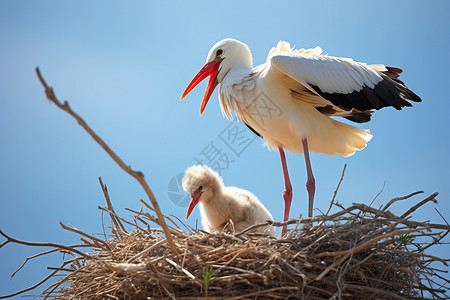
<point x="220" y="204"/>
<point x="303" y="89"/>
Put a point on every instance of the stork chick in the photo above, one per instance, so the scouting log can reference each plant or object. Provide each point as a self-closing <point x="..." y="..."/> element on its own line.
<point x="220" y="204"/>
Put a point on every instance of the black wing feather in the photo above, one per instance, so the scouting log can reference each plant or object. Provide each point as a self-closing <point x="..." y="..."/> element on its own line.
<point x="390" y="91"/>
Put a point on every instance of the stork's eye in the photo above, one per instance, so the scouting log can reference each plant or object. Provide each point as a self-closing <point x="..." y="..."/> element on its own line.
<point x="219" y="52"/>
<point x="200" y="188"/>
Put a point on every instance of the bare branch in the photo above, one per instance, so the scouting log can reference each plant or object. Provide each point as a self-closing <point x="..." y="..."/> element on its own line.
<point x="118" y="225"/>
<point x="37" y="284"/>
<point x="94" y="239"/>
<point x="68" y="248"/>
<point x="368" y="243"/>
<point x="139" y="176"/>
<point x="379" y="193"/>
<point x="400" y="198"/>
<point x="412" y="209"/>
<point x="336" y="190"/>
<point x="44" y="253"/>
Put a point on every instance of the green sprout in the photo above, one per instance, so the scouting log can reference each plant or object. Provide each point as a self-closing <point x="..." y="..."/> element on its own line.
<point x="407" y="239"/>
<point x="207" y="272"/>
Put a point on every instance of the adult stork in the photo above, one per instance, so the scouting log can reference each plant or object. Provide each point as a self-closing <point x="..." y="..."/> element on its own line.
<point x="304" y="89"/>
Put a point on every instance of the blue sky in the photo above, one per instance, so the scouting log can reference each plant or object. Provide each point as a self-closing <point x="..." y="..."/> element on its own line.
<point x="123" y="67"/>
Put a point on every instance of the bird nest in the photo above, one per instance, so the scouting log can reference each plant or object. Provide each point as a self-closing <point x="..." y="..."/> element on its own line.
<point x="360" y="252"/>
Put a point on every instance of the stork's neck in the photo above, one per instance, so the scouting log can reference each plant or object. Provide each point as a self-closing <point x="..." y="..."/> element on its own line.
<point x="234" y="64"/>
<point x="237" y="86"/>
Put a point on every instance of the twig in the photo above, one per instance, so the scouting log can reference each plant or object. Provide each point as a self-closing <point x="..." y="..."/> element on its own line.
<point x="166" y="217"/>
<point x="376" y="291"/>
<point x="333" y="265"/>
<point x="192" y="277"/>
<point x="36" y="285"/>
<point x="68" y="248"/>
<point x="442" y="217"/>
<point x="412" y="209"/>
<point x="130" y="260"/>
<point x="336" y="190"/>
<point x="422" y="255"/>
<point x="77" y="231"/>
<point x="379" y="193"/>
<point x="239" y="270"/>
<point x="117" y="216"/>
<point x="181" y="222"/>
<point x="368" y="243"/>
<point x="400" y="198"/>
<point x="437" y="240"/>
<point x="43" y="253"/>
<point x="262" y="292"/>
<point x="168" y="293"/>
<point x="257" y="226"/>
<point x="118" y="225"/>
<point x="139" y="176"/>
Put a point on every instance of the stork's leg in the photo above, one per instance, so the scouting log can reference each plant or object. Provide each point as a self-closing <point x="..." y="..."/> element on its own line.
<point x="287" y="193"/>
<point x="310" y="183"/>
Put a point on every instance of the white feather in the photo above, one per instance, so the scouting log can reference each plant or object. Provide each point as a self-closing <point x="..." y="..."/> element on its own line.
<point x="330" y="74"/>
<point x="247" y="91"/>
<point x="220" y="204"/>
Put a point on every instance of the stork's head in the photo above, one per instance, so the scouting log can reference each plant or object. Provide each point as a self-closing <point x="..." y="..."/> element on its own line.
<point x="222" y="57"/>
<point x="202" y="184"/>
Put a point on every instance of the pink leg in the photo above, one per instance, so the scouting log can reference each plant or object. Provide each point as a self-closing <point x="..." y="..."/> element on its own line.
<point x="287" y="193"/>
<point x="310" y="183"/>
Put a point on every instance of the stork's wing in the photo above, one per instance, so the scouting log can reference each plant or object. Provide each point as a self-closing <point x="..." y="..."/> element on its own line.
<point x="345" y="83"/>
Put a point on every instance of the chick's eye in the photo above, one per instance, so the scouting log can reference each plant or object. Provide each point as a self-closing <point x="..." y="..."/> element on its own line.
<point x="200" y="188"/>
<point x="219" y="52"/>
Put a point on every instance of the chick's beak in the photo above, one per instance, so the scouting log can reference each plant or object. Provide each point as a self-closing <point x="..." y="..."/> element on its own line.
<point x="209" y="69"/>
<point x="194" y="200"/>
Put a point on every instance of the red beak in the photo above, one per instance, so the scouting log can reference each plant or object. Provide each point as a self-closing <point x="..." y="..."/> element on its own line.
<point x="210" y="69"/>
<point x="194" y="200"/>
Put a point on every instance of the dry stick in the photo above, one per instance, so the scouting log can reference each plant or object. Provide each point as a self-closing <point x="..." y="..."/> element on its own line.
<point x="180" y="268"/>
<point x="139" y="176"/>
<point x="376" y="291"/>
<point x="37" y="284"/>
<point x="400" y="198"/>
<point x="333" y="265"/>
<point x="387" y="215"/>
<point x="368" y="243"/>
<point x="421" y="255"/>
<point x="49" y="290"/>
<point x="119" y="226"/>
<point x="117" y="216"/>
<point x="103" y="228"/>
<point x="322" y="218"/>
<point x="262" y="292"/>
<point x="77" y="231"/>
<point x="437" y="240"/>
<point x="60" y="269"/>
<point x="292" y="221"/>
<point x="68" y="248"/>
<point x="168" y="293"/>
<point x="412" y="209"/>
<point x="130" y="260"/>
<point x="186" y="226"/>
<point x="336" y="190"/>
<point x="379" y="193"/>
<point x="152" y="209"/>
<point x="442" y="217"/>
<point x="43" y="253"/>
<point x="151" y="218"/>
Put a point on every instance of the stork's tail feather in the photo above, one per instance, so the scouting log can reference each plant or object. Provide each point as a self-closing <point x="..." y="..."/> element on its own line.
<point x="341" y="139"/>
